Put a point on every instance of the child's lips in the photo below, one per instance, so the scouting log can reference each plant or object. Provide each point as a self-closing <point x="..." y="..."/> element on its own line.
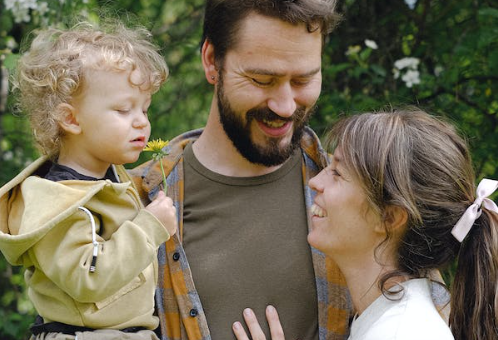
<point x="139" y="141"/>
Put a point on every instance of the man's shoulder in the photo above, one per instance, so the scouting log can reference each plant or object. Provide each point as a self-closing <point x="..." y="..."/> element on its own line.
<point x="312" y="148"/>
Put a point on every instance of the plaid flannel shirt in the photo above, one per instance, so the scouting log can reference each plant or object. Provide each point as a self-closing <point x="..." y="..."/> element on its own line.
<point x="178" y="304"/>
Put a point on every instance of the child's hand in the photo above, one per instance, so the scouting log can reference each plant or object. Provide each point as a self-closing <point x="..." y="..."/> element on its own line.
<point x="162" y="207"/>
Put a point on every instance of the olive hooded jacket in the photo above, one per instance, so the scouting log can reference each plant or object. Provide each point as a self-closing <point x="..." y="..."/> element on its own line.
<point x="89" y="248"/>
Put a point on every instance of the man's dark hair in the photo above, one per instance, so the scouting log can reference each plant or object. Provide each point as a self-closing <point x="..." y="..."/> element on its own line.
<point x="222" y="18"/>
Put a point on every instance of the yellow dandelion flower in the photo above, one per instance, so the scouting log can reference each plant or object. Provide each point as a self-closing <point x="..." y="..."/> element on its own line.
<point x="156" y="145"/>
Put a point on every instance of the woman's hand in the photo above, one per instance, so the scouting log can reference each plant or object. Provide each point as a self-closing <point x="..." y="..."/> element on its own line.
<point x="276" y="330"/>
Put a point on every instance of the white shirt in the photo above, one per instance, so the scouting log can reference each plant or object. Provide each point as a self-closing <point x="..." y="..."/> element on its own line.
<point x="413" y="317"/>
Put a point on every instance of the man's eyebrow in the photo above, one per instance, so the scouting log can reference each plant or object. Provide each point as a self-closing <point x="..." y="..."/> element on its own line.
<point x="264" y="72"/>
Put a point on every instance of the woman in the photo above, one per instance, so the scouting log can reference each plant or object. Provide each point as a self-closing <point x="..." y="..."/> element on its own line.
<point x="397" y="201"/>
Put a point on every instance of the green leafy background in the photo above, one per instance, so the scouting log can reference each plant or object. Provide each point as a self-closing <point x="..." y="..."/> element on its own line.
<point x="456" y="43"/>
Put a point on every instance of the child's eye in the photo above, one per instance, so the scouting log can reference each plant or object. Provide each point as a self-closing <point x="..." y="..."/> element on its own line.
<point x="124" y="111"/>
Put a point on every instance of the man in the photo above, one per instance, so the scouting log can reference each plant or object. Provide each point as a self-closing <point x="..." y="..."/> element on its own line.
<point x="240" y="184"/>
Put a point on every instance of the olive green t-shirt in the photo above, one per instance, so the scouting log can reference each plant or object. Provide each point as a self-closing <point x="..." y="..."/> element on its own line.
<point x="245" y="241"/>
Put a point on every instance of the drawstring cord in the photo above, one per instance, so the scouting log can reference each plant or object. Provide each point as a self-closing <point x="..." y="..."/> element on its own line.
<point x="94" y="239"/>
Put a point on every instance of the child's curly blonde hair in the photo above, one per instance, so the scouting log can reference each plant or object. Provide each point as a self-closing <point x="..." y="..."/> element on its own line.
<point x="53" y="70"/>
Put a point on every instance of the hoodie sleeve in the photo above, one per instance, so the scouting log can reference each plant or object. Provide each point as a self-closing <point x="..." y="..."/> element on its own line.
<point x="65" y="254"/>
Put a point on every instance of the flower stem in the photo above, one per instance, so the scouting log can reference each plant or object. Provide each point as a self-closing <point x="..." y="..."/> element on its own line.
<point x="165" y="187"/>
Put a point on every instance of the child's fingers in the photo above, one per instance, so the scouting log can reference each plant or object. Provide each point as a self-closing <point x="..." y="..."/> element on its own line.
<point x="160" y="196"/>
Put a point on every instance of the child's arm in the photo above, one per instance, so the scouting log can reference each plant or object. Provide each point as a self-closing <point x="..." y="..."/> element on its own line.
<point x="65" y="253"/>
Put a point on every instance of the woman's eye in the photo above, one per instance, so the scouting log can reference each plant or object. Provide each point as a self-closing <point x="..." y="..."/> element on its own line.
<point x="334" y="172"/>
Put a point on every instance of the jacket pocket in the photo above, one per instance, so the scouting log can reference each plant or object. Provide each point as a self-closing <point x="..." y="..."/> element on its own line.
<point x="134" y="284"/>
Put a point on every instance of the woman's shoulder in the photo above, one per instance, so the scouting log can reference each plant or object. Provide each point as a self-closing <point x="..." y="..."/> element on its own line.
<point x="411" y="317"/>
<point x="416" y="314"/>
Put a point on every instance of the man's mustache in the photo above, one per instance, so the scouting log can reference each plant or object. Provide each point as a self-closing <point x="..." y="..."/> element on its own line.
<point x="267" y="114"/>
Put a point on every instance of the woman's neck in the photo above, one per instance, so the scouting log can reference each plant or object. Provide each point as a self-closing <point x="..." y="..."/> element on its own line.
<point x="362" y="277"/>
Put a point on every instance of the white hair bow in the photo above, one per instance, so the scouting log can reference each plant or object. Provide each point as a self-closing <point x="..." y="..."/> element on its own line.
<point x="465" y="223"/>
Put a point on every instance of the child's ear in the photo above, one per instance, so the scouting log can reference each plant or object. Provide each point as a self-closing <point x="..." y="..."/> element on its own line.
<point x="395" y="219"/>
<point x="67" y="118"/>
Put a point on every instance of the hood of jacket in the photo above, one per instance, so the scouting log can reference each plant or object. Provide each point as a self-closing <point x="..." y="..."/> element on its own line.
<point x="31" y="205"/>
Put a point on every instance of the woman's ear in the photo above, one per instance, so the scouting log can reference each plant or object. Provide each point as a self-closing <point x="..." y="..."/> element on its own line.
<point x="395" y="219"/>
<point x="208" y="62"/>
<point x="66" y="114"/>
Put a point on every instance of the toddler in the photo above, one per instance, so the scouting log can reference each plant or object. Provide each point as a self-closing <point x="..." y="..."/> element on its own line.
<point x="74" y="218"/>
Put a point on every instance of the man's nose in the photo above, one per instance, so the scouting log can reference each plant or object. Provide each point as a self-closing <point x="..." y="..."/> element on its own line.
<point x="282" y="101"/>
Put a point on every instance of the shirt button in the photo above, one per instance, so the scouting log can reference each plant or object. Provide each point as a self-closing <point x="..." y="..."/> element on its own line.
<point x="176" y="256"/>
<point x="193" y="312"/>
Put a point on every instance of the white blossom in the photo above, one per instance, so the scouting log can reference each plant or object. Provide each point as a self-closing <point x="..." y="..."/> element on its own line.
<point x="409" y="62"/>
<point x="43" y="8"/>
<point x="438" y="70"/>
<point x="29" y="3"/>
<point x="411" y="77"/>
<point x="20" y="9"/>
<point x="11" y="43"/>
<point x="372" y="44"/>
<point x="411" y="3"/>
<point x="9" y="4"/>
<point x="8" y="156"/>
<point x="407" y="68"/>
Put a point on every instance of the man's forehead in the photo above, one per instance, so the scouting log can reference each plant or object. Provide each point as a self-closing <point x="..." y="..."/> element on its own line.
<point x="265" y="37"/>
<point x="257" y="26"/>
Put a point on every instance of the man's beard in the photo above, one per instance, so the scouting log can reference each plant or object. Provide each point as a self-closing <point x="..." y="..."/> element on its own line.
<point x="239" y="132"/>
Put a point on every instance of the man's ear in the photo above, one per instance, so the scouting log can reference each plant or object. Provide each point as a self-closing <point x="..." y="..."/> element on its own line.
<point x="208" y="62"/>
<point x="395" y="220"/>
<point x="66" y="114"/>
